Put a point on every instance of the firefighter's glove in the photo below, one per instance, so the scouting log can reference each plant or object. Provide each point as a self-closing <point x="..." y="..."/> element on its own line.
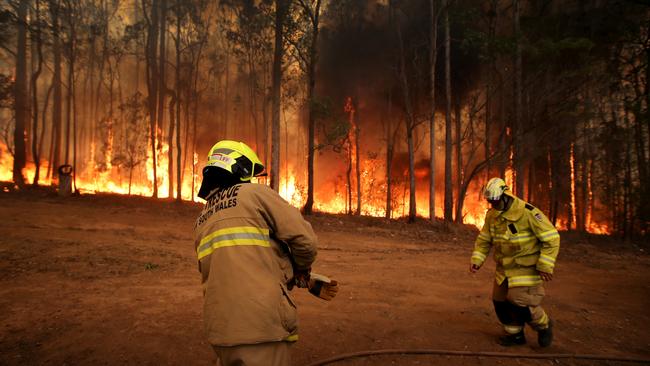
<point x="323" y="287"/>
<point x="300" y="278"/>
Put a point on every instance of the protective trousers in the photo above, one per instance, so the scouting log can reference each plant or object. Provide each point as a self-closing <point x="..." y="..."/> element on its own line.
<point x="517" y="306"/>
<point x="261" y="354"/>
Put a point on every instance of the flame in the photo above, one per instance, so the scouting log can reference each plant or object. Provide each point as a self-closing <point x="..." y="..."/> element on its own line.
<point x="111" y="178"/>
<point x="330" y="195"/>
<point x="573" y="187"/>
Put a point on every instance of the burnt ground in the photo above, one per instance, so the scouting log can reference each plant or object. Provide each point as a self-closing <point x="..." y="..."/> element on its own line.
<point x="107" y="280"/>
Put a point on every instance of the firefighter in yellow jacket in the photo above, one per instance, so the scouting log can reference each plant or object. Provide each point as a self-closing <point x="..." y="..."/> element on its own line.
<point x="526" y="246"/>
<point x="251" y="244"/>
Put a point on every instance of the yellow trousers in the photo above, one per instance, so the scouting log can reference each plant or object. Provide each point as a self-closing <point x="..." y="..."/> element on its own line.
<point x="524" y="296"/>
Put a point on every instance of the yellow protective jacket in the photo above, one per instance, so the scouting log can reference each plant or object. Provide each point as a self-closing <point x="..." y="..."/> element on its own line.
<point x="524" y="240"/>
<point x="242" y="240"/>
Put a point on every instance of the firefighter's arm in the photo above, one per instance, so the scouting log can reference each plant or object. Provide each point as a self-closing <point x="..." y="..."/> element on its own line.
<point x="547" y="234"/>
<point x="482" y="245"/>
<point x="288" y="225"/>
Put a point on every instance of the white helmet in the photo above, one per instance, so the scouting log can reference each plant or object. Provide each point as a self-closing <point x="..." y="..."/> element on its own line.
<point x="494" y="188"/>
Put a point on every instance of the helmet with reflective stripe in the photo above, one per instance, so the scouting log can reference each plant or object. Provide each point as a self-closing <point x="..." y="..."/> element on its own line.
<point x="232" y="161"/>
<point x="494" y="188"/>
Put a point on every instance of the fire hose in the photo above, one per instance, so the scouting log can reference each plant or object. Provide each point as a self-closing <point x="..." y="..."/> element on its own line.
<point x="400" y="351"/>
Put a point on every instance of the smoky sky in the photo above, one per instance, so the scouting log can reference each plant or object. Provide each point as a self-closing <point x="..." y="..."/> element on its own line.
<point x="359" y="54"/>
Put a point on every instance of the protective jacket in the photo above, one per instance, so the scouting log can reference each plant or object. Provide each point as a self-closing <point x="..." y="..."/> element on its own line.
<point x="524" y="242"/>
<point x="246" y="239"/>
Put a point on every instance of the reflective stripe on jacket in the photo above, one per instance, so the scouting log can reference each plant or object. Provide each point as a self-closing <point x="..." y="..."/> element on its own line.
<point x="243" y="238"/>
<point x="524" y="240"/>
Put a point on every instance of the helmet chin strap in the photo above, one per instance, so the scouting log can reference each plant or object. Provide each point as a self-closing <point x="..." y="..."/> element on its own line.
<point x="504" y="203"/>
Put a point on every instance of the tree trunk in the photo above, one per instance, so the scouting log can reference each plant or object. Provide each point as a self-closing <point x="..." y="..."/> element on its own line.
<point x="21" y="102"/>
<point x="518" y="123"/>
<point x="433" y="55"/>
<point x="70" y="93"/>
<point x="57" y="101"/>
<point x="39" y="53"/>
<point x="348" y="174"/>
<point x="357" y="157"/>
<point x="46" y="103"/>
<point x="162" y="96"/>
<point x="179" y="185"/>
<point x="170" y="143"/>
<point x="459" y="162"/>
<point x="410" y="121"/>
<point x="490" y="84"/>
<point x="280" y="12"/>
<point x="390" y="146"/>
<point x="311" y="76"/>
<point x="448" y="139"/>
<point x="152" y="86"/>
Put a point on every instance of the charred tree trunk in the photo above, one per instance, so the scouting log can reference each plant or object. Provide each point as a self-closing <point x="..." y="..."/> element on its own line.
<point x="348" y="174"/>
<point x="492" y="24"/>
<point x="314" y="15"/>
<point x="410" y="121"/>
<point x="390" y="148"/>
<point x="433" y="55"/>
<point x="39" y="53"/>
<point x="280" y="13"/>
<point x="21" y="101"/>
<point x="518" y="123"/>
<point x="448" y="140"/>
<point x="57" y="100"/>
<point x="152" y="84"/>
<point x="46" y="104"/>
<point x="162" y="96"/>
<point x="459" y="163"/>
<point x="179" y="186"/>
<point x="173" y="100"/>
<point x="357" y="159"/>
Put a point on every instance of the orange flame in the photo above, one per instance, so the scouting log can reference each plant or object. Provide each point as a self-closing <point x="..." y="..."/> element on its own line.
<point x="330" y="195"/>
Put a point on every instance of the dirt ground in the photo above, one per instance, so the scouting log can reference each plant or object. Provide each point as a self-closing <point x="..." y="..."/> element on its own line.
<point x="109" y="280"/>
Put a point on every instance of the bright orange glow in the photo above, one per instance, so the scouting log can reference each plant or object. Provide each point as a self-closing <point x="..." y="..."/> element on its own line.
<point x="6" y="164"/>
<point x="573" y="186"/>
<point x="330" y="196"/>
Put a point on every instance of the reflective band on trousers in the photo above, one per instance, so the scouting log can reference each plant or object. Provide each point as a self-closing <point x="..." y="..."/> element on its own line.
<point x="292" y="338"/>
<point x="513" y="329"/>
<point x="233" y="236"/>
<point x="515" y="281"/>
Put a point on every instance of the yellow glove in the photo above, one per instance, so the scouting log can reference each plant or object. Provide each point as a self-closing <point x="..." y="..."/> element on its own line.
<point x="322" y="286"/>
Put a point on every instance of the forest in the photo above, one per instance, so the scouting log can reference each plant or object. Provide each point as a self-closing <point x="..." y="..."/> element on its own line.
<point x="389" y="108"/>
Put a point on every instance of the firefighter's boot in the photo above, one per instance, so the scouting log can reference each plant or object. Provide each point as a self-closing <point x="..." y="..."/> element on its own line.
<point x="509" y="340"/>
<point x="545" y="336"/>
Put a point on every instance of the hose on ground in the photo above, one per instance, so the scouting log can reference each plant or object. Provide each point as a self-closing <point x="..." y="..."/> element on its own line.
<point x="399" y="351"/>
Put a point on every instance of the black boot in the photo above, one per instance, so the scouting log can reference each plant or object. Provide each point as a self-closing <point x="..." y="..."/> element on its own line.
<point x="512" y="339"/>
<point x="545" y="336"/>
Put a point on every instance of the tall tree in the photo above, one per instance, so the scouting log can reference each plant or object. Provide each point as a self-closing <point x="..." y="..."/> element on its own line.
<point x="433" y="55"/>
<point x="57" y="99"/>
<point x="311" y="10"/>
<point x="448" y="213"/>
<point x="177" y="40"/>
<point x="518" y="143"/>
<point x="38" y="46"/>
<point x="280" y="14"/>
<point x="21" y="101"/>
<point x="410" y="119"/>
<point x="152" y="82"/>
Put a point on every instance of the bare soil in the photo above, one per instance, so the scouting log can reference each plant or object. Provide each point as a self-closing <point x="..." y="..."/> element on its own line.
<point x="110" y="280"/>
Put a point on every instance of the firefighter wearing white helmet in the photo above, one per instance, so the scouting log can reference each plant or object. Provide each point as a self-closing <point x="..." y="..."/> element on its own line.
<point x="250" y="244"/>
<point x="526" y="245"/>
